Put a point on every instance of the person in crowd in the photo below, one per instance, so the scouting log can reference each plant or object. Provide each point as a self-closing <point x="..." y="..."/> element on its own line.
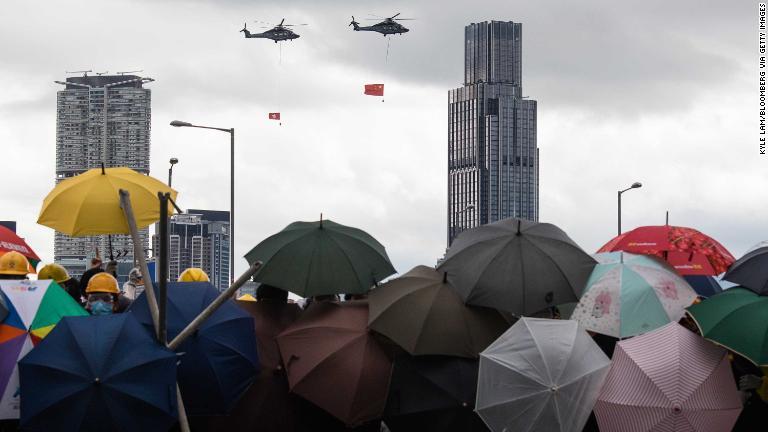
<point x="194" y="274"/>
<point x="61" y="276"/>
<point x="111" y="268"/>
<point x="751" y="380"/>
<point x="14" y="265"/>
<point x="134" y="286"/>
<point x="103" y="295"/>
<point x="86" y="277"/>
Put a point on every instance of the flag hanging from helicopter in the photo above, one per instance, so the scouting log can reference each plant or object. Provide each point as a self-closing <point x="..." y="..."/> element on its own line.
<point x="374" y="89"/>
<point x="274" y="116"/>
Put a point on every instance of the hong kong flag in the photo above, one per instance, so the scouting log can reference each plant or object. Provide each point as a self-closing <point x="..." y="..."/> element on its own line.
<point x="274" y="116"/>
<point x="374" y="89"/>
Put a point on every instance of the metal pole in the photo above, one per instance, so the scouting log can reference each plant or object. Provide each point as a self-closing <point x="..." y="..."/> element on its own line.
<point x="170" y="175"/>
<point x="619" y="212"/>
<point x="162" y="270"/>
<point x="208" y="311"/>
<point x="125" y="203"/>
<point x="183" y="423"/>
<point x="232" y="208"/>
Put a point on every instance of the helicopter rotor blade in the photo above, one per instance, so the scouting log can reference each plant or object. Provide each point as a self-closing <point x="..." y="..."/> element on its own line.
<point x="395" y="15"/>
<point x="294" y="25"/>
<point x="281" y="22"/>
<point x="405" y="19"/>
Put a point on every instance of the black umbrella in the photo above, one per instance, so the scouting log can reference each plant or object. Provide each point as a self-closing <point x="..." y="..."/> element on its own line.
<point x="433" y="393"/>
<point x="517" y="266"/>
<point x="751" y="271"/>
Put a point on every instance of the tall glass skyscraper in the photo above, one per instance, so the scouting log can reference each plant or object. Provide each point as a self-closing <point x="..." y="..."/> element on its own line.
<point x="493" y="161"/>
<point x="102" y="119"/>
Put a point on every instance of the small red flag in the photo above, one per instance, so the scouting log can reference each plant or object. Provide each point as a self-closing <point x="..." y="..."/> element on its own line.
<point x="274" y="116"/>
<point x="374" y="89"/>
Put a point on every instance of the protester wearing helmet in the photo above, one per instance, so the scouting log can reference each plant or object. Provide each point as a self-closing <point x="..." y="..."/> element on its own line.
<point x="62" y="277"/>
<point x="13" y="265"/>
<point x="135" y="284"/>
<point x="193" y="274"/>
<point x="102" y="294"/>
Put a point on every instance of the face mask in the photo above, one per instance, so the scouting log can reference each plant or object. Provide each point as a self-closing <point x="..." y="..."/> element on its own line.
<point x="101" y="308"/>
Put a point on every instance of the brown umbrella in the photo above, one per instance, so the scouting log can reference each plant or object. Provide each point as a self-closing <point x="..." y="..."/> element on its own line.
<point x="333" y="362"/>
<point x="266" y="406"/>
<point x="424" y="315"/>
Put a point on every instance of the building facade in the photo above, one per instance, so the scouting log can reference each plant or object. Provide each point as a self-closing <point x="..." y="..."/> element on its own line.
<point x="493" y="160"/>
<point x="199" y="238"/>
<point x="103" y="119"/>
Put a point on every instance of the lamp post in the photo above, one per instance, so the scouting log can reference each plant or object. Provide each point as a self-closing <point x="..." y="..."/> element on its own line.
<point x="173" y="162"/>
<point x="464" y="210"/>
<point x="231" y="132"/>
<point x="635" y="185"/>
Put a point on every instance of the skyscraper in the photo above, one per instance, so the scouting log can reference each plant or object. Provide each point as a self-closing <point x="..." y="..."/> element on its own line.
<point x="493" y="161"/>
<point x="200" y="238"/>
<point x="103" y="119"/>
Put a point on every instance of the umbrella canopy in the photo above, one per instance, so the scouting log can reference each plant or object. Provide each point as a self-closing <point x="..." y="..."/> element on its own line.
<point x="9" y="241"/>
<point x="219" y="361"/>
<point x="433" y="393"/>
<point x="98" y="373"/>
<point x="89" y="203"/>
<point x="631" y="294"/>
<point x="320" y="258"/>
<point x="517" y="266"/>
<point x="540" y="375"/>
<point x="34" y="309"/>
<point x="333" y="362"/>
<point x="266" y="405"/>
<point x="247" y="297"/>
<point x="751" y="271"/>
<point x="689" y="251"/>
<point x="705" y="286"/>
<point x="736" y="319"/>
<point x="438" y="321"/>
<point x="668" y="380"/>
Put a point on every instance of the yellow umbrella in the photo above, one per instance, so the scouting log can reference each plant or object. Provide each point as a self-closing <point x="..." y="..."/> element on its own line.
<point x="89" y="204"/>
<point x="246" y="297"/>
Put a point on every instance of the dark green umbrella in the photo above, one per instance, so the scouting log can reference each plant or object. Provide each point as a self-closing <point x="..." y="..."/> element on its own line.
<point x="517" y="266"/>
<point x="423" y="314"/>
<point x="321" y="258"/>
<point x="736" y="319"/>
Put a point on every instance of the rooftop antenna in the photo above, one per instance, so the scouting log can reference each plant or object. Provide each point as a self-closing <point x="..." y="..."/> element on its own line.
<point x="129" y="72"/>
<point x="84" y="72"/>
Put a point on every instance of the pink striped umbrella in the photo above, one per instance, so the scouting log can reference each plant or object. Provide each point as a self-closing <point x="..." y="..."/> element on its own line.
<point x="668" y="380"/>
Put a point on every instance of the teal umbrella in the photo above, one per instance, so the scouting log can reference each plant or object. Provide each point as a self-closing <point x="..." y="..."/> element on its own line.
<point x="321" y="258"/>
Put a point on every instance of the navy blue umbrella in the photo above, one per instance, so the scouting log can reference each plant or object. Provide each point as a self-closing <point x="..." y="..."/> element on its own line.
<point x="705" y="286"/>
<point x="218" y="362"/>
<point x="98" y="373"/>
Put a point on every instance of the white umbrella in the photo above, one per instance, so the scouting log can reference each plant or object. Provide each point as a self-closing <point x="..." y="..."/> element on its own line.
<point x="540" y="375"/>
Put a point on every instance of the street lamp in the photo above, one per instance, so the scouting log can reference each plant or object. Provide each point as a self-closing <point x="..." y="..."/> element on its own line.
<point x="231" y="132"/>
<point x="456" y="215"/>
<point x="173" y="162"/>
<point x="635" y="185"/>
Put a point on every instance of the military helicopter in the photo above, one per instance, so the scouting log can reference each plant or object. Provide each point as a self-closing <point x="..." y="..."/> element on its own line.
<point x="387" y="27"/>
<point x="278" y="33"/>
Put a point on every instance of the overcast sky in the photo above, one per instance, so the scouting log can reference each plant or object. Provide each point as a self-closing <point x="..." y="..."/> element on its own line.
<point x="659" y="92"/>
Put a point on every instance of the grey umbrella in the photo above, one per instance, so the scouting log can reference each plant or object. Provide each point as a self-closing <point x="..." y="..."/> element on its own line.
<point x="517" y="266"/>
<point x="751" y="271"/>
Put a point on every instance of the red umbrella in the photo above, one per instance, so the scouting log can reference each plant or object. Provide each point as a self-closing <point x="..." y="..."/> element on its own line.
<point x="689" y="251"/>
<point x="333" y="362"/>
<point x="9" y="241"/>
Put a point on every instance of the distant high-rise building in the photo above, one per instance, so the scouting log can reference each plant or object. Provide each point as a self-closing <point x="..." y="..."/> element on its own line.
<point x="199" y="238"/>
<point x="102" y="119"/>
<point x="493" y="160"/>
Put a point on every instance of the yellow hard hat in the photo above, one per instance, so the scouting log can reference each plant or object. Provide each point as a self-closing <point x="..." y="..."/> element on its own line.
<point x="14" y="263"/>
<point x="102" y="282"/>
<point x="193" y="274"/>
<point x="53" y="271"/>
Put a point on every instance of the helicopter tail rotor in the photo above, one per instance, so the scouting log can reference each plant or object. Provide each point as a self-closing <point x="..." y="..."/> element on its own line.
<point x="354" y="23"/>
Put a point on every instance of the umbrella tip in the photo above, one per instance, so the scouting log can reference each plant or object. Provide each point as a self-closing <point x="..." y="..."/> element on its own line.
<point x="518" y="226"/>
<point x="445" y="277"/>
<point x="102" y="169"/>
<point x="321" y="220"/>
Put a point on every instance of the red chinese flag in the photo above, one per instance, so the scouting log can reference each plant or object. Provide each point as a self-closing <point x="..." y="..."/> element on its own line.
<point x="274" y="116"/>
<point x="374" y="89"/>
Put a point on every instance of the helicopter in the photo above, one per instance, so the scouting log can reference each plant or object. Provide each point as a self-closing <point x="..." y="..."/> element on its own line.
<point x="278" y="33"/>
<point x="387" y="27"/>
